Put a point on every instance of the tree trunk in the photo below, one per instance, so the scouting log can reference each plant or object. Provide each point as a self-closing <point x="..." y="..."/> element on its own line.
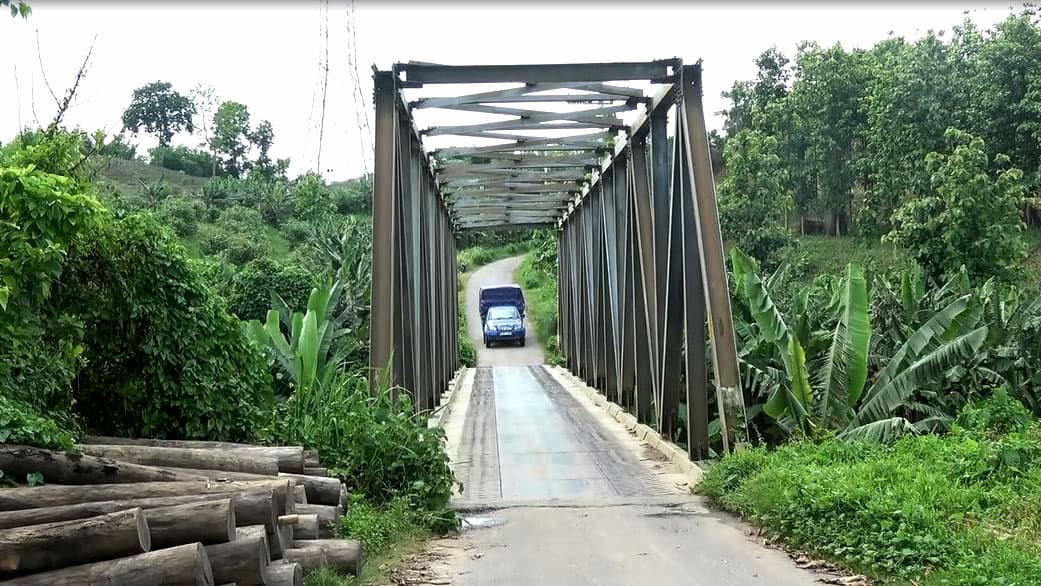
<point x="251" y="508"/>
<point x="73" y="467"/>
<point x="327" y="515"/>
<point x="241" y="560"/>
<point x="321" y="490"/>
<point x="802" y="225"/>
<point x="299" y="494"/>
<point x="310" y="558"/>
<point x="315" y="470"/>
<point x="222" y="475"/>
<point x="54" y="495"/>
<point x="207" y="522"/>
<point x="311" y="458"/>
<point x="204" y="458"/>
<point x="290" y="458"/>
<point x="341" y="554"/>
<point x="51" y="546"/>
<point x="176" y="566"/>
<point x="284" y="575"/>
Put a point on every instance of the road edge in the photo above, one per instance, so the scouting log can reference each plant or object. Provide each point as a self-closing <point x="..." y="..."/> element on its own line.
<point x="676" y="456"/>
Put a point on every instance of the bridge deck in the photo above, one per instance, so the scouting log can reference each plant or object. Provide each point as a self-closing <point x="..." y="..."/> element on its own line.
<point x="560" y="493"/>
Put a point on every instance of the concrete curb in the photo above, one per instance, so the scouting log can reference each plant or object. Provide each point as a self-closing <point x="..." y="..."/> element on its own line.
<point x="675" y="455"/>
<point x="462" y="376"/>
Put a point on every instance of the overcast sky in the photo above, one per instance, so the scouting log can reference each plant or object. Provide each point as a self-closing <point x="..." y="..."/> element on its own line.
<point x="267" y="55"/>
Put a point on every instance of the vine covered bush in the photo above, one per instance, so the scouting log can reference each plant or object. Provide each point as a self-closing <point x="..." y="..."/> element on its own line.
<point x="251" y="289"/>
<point x="167" y="359"/>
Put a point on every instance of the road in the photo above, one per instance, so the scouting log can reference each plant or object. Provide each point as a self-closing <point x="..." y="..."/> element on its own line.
<point x="557" y="492"/>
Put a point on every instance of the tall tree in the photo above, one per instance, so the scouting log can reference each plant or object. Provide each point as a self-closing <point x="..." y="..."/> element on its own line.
<point x="159" y="110"/>
<point x="231" y="137"/>
<point x="205" y="99"/>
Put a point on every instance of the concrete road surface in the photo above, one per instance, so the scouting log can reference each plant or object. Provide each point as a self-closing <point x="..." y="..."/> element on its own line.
<point x="558" y="493"/>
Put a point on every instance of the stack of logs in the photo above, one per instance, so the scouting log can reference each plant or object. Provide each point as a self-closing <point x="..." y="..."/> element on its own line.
<point x="145" y="512"/>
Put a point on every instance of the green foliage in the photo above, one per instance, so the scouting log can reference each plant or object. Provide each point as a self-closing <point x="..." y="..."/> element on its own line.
<point x="354" y="196"/>
<point x="166" y="359"/>
<point x="21" y="424"/>
<point x="41" y="214"/>
<point x="17" y="8"/>
<point x="777" y="359"/>
<point x="753" y="195"/>
<point x="182" y="214"/>
<point x="928" y="509"/>
<point x="195" y="162"/>
<point x="311" y="198"/>
<point x="160" y="110"/>
<point x="469" y="259"/>
<point x="251" y="289"/>
<point x="969" y="218"/>
<point x="234" y="141"/>
<point x="374" y="443"/>
<point x="378" y="527"/>
<point x="537" y="275"/>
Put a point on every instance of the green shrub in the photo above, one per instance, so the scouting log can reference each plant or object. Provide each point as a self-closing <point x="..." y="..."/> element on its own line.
<point x="241" y="218"/>
<point x="377" y="446"/>
<point x="241" y="249"/>
<point x="378" y="527"/>
<point x="41" y="214"/>
<point x="182" y="214"/>
<point x="311" y="197"/>
<point x="165" y="358"/>
<point x="958" y="509"/>
<point x="469" y="259"/>
<point x="250" y="290"/>
<point x="197" y="163"/>
<point x="296" y="231"/>
<point x="21" y="424"/>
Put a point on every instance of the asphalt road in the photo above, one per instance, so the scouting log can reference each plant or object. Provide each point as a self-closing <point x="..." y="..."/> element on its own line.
<point x="558" y="493"/>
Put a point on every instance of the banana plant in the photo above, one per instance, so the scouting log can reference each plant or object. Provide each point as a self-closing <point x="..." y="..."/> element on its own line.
<point x="314" y="350"/>
<point x="840" y="398"/>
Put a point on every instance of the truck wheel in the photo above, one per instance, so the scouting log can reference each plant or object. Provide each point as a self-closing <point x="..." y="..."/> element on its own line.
<point x="487" y="344"/>
<point x="522" y="342"/>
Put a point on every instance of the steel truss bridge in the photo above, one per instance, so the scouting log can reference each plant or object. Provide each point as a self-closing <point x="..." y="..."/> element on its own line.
<point x="615" y="158"/>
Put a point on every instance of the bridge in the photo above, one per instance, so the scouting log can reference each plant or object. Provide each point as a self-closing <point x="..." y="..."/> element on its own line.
<point x="615" y="158"/>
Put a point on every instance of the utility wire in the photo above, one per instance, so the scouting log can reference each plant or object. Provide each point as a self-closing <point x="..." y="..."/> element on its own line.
<point x="325" y="88"/>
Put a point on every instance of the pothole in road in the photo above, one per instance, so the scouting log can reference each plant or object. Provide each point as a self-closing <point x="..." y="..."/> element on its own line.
<point x="480" y="522"/>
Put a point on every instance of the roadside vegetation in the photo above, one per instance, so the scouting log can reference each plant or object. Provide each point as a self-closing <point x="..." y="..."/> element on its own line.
<point x="884" y="286"/>
<point x="537" y="276"/>
<point x="220" y="301"/>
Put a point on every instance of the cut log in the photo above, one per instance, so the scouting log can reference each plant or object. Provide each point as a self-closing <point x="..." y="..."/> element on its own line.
<point x="321" y="490"/>
<point x="230" y="460"/>
<point x="51" y="546"/>
<point x="284" y="575"/>
<point x="315" y="470"/>
<point x="73" y="467"/>
<point x="221" y="475"/>
<point x="341" y="554"/>
<point x="327" y="519"/>
<point x="307" y="524"/>
<point x="241" y="560"/>
<point x="285" y="539"/>
<point x="299" y="494"/>
<point x="310" y="558"/>
<point x="343" y="498"/>
<point x="207" y="522"/>
<point x="290" y="458"/>
<point x="251" y="508"/>
<point x="311" y="458"/>
<point x="175" y="566"/>
<point x="52" y="495"/>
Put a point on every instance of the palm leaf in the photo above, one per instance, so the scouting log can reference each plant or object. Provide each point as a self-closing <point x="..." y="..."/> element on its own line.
<point x="883" y="431"/>
<point x="883" y="398"/>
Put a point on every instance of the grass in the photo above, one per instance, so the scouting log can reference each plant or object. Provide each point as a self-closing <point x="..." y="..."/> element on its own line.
<point x="540" y="299"/>
<point x="128" y="175"/>
<point x="933" y="510"/>
<point x="470" y="258"/>
<point x="815" y="255"/>
<point x="390" y="535"/>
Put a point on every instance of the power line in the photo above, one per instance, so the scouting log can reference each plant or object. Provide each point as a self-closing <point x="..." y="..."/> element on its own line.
<point x="325" y="89"/>
<point x="361" y="111"/>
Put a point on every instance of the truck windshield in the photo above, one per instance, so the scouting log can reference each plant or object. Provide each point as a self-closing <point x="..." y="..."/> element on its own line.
<point x="507" y="312"/>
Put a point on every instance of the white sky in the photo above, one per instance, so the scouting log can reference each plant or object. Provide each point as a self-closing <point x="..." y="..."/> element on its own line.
<point x="267" y="55"/>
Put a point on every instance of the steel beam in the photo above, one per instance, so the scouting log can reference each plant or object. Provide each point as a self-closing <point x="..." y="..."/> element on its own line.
<point x="553" y="73"/>
<point x="381" y="340"/>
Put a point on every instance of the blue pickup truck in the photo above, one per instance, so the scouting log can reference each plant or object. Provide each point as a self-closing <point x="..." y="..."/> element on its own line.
<point x="502" y="314"/>
<point x="500" y="295"/>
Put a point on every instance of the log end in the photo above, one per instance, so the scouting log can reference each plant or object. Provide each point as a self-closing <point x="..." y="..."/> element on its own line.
<point x="144" y="535"/>
<point x="204" y="571"/>
<point x="284" y="575"/>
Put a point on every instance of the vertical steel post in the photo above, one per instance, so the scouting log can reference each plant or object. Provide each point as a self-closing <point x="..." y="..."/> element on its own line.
<point x="717" y="298"/>
<point x="381" y="324"/>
